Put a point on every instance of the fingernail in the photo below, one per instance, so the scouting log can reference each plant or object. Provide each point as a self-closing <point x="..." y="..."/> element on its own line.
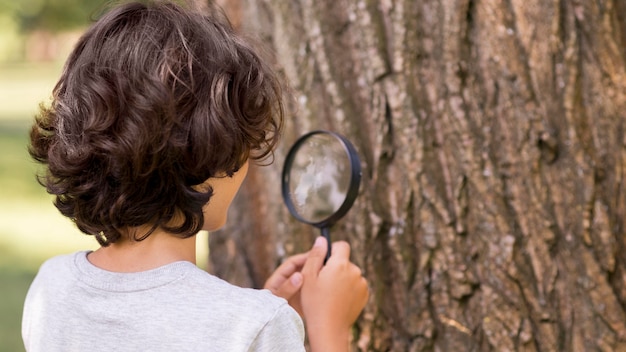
<point x="319" y="242"/>
<point x="296" y="279"/>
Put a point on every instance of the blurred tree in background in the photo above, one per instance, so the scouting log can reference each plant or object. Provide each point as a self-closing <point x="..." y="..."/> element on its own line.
<point x="42" y="30"/>
<point x="50" y="15"/>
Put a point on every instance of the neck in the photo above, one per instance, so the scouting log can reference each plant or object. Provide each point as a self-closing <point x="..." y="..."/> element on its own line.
<point x="158" y="249"/>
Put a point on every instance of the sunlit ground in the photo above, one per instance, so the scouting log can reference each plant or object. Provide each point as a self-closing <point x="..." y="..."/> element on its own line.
<point x="31" y="229"/>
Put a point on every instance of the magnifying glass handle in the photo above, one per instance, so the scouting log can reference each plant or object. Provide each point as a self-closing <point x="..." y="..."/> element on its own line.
<point x="326" y="234"/>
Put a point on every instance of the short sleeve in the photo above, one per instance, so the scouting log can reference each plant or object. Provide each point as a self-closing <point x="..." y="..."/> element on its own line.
<point x="284" y="332"/>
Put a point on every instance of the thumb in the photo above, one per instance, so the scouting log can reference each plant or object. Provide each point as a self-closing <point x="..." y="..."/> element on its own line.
<point x="316" y="257"/>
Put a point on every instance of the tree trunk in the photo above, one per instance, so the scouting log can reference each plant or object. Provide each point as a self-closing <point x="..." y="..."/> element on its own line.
<point x="492" y="135"/>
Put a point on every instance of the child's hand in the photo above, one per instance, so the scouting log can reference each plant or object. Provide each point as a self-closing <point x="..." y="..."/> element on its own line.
<point x="286" y="280"/>
<point x="333" y="296"/>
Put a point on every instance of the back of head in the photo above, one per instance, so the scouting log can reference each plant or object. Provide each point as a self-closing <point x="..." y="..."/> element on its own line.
<point x="155" y="98"/>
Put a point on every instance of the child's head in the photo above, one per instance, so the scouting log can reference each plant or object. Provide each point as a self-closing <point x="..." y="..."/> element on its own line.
<point x="155" y="99"/>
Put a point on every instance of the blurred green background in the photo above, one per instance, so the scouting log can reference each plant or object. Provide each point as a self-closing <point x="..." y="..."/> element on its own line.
<point x="30" y="227"/>
<point x="32" y="48"/>
<point x="35" y="38"/>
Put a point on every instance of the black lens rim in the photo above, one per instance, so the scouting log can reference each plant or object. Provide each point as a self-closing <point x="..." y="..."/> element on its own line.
<point x="353" y="188"/>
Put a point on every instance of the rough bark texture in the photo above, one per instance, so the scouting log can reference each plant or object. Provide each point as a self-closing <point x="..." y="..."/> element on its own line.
<point x="493" y="140"/>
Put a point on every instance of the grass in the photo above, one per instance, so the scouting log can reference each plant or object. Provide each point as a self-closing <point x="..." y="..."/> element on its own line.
<point x="31" y="229"/>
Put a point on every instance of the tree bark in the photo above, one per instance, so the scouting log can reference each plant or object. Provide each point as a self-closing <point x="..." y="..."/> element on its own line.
<point x="492" y="135"/>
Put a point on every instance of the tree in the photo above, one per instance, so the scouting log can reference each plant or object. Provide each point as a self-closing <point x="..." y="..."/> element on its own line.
<point x="493" y="140"/>
<point x="51" y="15"/>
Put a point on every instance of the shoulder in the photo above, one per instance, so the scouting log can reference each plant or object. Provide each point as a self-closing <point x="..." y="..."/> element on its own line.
<point x="60" y="260"/>
<point x="229" y="315"/>
<point x="53" y="277"/>
<point x="58" y="266"/>
<point x="231" y="295"/>
<point x="257" y="305"/>
<point x="283" y="332"/>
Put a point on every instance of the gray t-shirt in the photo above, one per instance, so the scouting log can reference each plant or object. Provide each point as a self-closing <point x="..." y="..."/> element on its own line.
<point x="73" y="305"/>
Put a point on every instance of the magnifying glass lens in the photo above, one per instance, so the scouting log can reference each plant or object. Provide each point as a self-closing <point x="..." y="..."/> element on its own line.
<point x="319" y="177"/>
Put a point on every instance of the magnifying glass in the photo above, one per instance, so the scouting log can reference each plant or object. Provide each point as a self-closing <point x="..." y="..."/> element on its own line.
<point x="320" y="180"/>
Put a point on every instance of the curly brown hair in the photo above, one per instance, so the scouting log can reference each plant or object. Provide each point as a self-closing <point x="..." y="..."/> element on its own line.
<point x="155" y="98"/>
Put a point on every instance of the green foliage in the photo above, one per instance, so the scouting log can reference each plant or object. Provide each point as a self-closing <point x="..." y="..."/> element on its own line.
<point x="51" y="15"/>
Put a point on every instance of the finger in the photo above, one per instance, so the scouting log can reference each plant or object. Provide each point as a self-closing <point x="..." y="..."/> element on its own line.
<point x="298" y="259"/>
<point x="291" y="265"/>
<point x="341" y="250"/>
<point x="285" y="270"/>
<point x="315" y="261"/>
<point x="289" y="287"/>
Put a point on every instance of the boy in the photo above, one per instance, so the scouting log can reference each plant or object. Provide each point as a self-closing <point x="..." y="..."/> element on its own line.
<point x="147" y="140"/>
